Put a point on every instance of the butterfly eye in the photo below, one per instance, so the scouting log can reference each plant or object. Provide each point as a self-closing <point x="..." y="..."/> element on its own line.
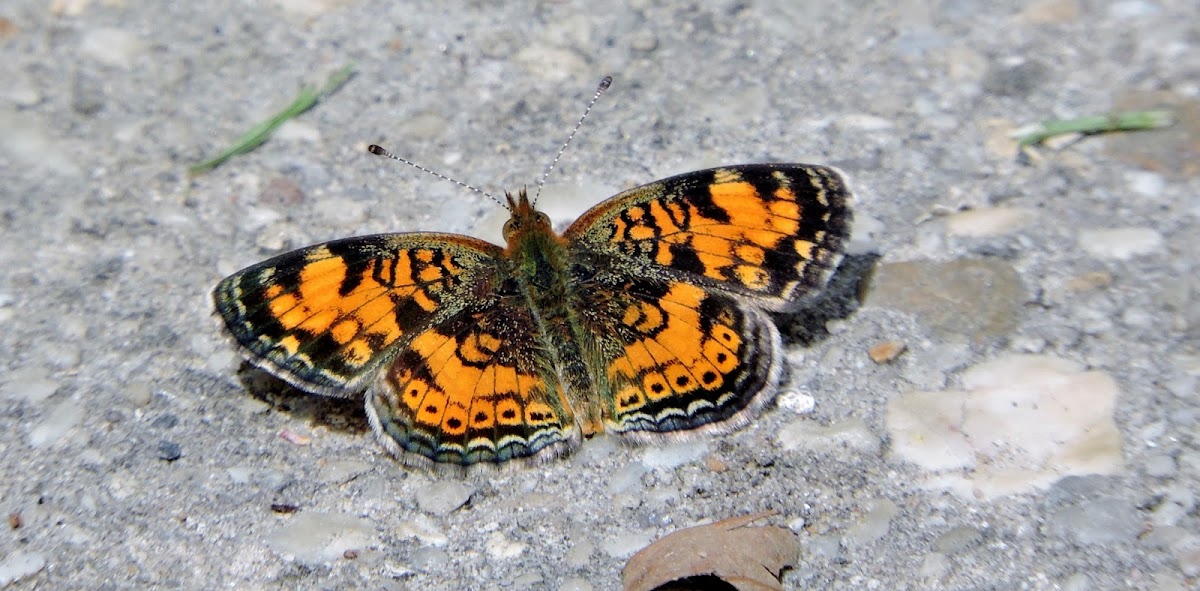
<point x="508" y="227"/>
<point x="543" y="219"/>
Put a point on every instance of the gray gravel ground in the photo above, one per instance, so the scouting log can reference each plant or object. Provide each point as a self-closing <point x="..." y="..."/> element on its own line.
<point x="134" y="456"/>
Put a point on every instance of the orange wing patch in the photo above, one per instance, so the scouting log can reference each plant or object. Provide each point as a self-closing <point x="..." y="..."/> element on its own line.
<point x="321" y="317"/>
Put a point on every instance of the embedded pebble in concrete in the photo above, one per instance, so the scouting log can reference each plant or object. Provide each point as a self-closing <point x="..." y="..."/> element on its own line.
<point x="1121" y="243"/>
<point x="576" y="584"/>
<point x="28" y="384"/>
<point x="499" y="547"/>
<point x="1020" y="423"/>
<point x="628" y="478"/>
<point x="808" y="435"/>
<point x="797" y="402"/>
<point x="1102" y="521"/>
<point x="874" y="524"/>
<point x="443" y="497"/>
<point x="19" y="565"/>
<point x="977" y="298"/>
<point x="671" y="456"/>
<point x="429" y="559"/>
<point x="314" y="538"/>
<point x="626" y="544"/>
<point x="580" y="555"/>
<point x="958" y="539"/>
<point x="989" y="221"/>
<point x="339" y="471"/>
<point x="423" y="529"/>
<point x="111" y="47"/>
<point x="528" y="580"/>
<point x="61" y="419"/>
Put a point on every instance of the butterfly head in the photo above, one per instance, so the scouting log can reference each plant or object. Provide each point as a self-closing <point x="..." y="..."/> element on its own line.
<point x="525" y="218"/>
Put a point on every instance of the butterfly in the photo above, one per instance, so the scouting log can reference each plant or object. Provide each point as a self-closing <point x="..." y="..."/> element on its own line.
<point x="647" y="317"/>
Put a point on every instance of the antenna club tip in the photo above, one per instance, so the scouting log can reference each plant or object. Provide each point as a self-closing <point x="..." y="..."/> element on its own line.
<point x="605" y="82"/>
<point x="377" y="150"/>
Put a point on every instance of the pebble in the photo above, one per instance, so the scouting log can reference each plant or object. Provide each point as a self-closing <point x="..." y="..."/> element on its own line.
<point x="808" y="435"/>
<point x="19" y="565"/>
<point x="314" y="538"/>
<point x="169" y="451"/>
<point x="671" y="456"/>
<point x="989" y="221"/>
<point x="428" y="559"/>
<point x="61" y="419"/>
<point x="797" y="402"/>
<point x="423" y="529"/>
<point x="624" y="545"/>
<point x="528" y="580"/>
<point x="1159" y="465"/>
<point x="934" y="565"/>
<point x="627" y="478"/>
<point x="978" y="298"/>
<point x="874" y="524"/>
<point x="575" y="584"/>
<point x="1146" y="183"/>
<point x="499" y="547"/>
<point x="1121" y="243"/>
<point x="1102" y="521"/>
<point x="886" y="351"/>
<point x="1020" y="423"/>
<point x="958" y="539"/>
<point x="111" y="47"/>
<point x="552" y="64"/>
<point x="28" y="384"/>
<point x="340" y="471"/>
<point x="443" y="497"/>
<point x="580" y="555"/>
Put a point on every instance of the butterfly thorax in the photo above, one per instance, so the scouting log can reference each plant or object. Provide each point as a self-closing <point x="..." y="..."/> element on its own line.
<point x="542" y="265"/>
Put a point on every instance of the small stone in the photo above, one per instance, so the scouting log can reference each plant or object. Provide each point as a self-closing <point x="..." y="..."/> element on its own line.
<point x="874" y="525"/>
<point x="111" y="47"/>
<point x="28" y="384"/>
<point x="624" y="545"/>
<point x="715" y="463"/>
<point x="443" y="497"/>
<point x="553" y="64"/>
<point x="1159" y="465"/>
<point x="20" y="565"/>
<point x="61" y="419"/>
<point x="1146" y="183"/>
<point x="671" y="456"/>
<point x="1121" y="243"/>
<point x="934" y="565"/>
<point x="643" y="41"/>
<point x="1090" y="281"/>
<point x="528" y="580"/>
<point x="989" y="221"/>
<point x="958" y="539"/>
<point x="314" y="538"/>
<point x="1050" y="12"/>
<point x="165" y="421"/>
<point x="1014" y="79"/>
<point x="808" y="435"/>
<point x="576" y="584"/>
<point x="1103" y="521"/>
<point x="281" y="191"/>
<point x="580" y="555"/>
<point x="886" y="352"/>
<point x="169" y="451"/>
<point x="499" y="547"/>
<point x="797" y="402"/>
<point x="341" y="471"/>
<point x="982" y="299"/>
<point x="429" y="559"/>
<point x="422" y="528"/>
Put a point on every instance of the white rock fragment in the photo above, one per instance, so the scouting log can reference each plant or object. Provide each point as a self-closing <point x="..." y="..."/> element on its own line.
<point x="874" y="525"/>
<point x="314" y="538"/>
<point x="808" y="435"/>
<point x="626" y="544"/>
<point x="423" y="529"/>
<point x="111" y="47"/>
<point x="19" y="565"/>
<point x="1020" y="423"/>
<point x="989" y="221"/>
<point x="797" y="402"/>
<point x="1120" y="243"/>
<point x="61" y="418"/>
<point x="671" y="456"/>
<point x="502" y="548"/>
<point x="443" y="497"/>
<point x="1146" y="183"/>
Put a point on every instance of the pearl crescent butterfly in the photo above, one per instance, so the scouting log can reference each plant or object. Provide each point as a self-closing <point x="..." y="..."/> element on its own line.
<point x="647" y="317"/>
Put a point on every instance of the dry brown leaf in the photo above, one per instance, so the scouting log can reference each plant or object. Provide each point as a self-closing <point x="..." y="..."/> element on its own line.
<point x="747" y="558"/>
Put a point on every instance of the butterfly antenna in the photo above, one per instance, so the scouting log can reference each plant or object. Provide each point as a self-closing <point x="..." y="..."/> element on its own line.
<point x="604" y="84"/>
<point x="380" y="151"/>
